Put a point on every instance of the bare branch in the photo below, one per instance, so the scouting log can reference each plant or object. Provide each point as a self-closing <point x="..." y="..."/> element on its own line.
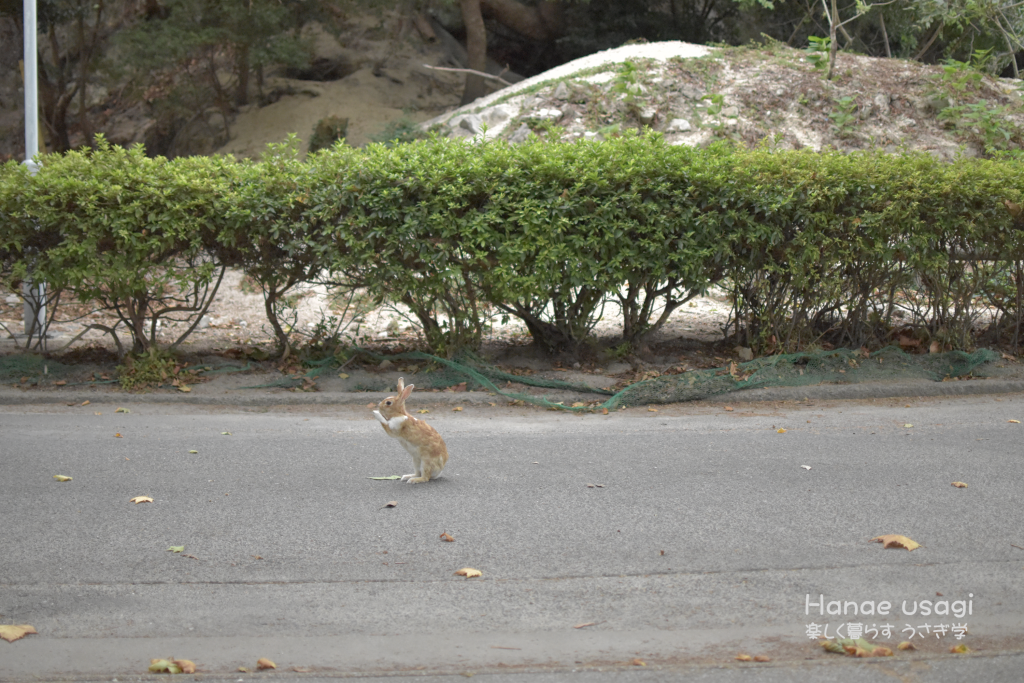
<point x="469" y="71"/>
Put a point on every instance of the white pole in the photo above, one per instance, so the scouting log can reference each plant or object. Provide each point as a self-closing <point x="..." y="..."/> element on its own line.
<point x="34" y="294"/>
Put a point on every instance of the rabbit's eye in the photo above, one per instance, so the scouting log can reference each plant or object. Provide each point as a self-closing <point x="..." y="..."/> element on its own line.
<point x="387" y="403"/>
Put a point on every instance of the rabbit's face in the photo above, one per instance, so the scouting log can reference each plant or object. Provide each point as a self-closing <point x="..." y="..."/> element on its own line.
<point x="391" y="406"/>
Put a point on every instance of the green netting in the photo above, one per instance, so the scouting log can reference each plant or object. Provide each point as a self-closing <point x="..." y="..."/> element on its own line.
<point x="840" y="366"/>
<point x="17" y="365"/>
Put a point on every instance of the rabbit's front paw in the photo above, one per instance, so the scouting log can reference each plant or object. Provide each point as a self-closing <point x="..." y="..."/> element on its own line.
<point x="419" y="480"/>
<point x="407" y="477"/>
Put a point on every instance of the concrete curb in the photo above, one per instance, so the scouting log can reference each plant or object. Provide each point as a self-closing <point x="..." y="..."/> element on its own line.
<point x="210" y="395"/>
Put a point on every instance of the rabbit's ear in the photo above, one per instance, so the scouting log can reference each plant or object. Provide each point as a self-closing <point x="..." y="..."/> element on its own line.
<point x="401" y="384"/>
<point x="407" y="391"/>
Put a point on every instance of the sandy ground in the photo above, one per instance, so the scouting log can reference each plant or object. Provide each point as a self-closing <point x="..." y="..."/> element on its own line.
<point x="237" y="318"/>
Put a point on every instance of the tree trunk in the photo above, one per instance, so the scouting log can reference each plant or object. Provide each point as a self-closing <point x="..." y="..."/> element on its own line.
<point x="242" y="70"/>
<point x="833" y="46"/>
<point x="476" y="46"/>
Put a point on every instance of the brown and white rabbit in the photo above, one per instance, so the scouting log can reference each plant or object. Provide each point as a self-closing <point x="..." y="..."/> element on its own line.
<point x="425" y="445"/>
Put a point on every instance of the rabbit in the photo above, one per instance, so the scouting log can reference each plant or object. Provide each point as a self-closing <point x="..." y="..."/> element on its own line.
<point x="425" y="445"/>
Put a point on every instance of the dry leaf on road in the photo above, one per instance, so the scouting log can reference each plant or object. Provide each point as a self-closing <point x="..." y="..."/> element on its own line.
<point x="186" y="666"/>
<point x="959" y="484"/>
<point x="163" y="666"/>
<point x="61" y="477"/>
<point x="469" y="572"/>
<point x="960" y="649"/>
<point x="744" y="658"/>
<point x="584" y="625"/>
<point x="390" y="504"/>
<point x="895" y="541"/>
<point x="117" y="435"/>
<point x="446" y="537"/>
<point x="762" y="658"/>
<point x="781" y="430"/>
<point x="11" y="632"/>
<point x="457" y="409"/>
<point x="393" y="476"/>
<point x="906" y="645"/>
<point x="176" y="548"/>
<point x="264" y="663"/>
<point x="638" y="662"/>
<point x="422" y="411"/>
<point x="140" y="499"/>
<point x="1016" y="422"/>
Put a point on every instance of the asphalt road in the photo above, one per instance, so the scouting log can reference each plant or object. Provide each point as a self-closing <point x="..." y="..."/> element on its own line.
<point x="707" y="537"/>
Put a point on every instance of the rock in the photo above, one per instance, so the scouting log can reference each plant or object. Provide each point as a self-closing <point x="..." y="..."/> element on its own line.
<point x="745" y="353"/>
<point x="496" y="115"/>
<point x="561" y="91"/>
<point x="780" y="92"/>
<point x="473" y="123"/>
<point x="691" y="91"/>
<point x="590" y="135"/>
<point x="678" y="126"/>
<point x="386" y="364"/>
<point x="881" y="104"/>
<point x="731" y="112"/>
<point x="646" y="115"/>
<point x="520" y="135"/>
<point x="204" y="323"/>
<point x="547" y="114"/>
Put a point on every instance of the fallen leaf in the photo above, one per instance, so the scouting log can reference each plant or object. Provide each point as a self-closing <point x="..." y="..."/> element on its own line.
<point x="176" y="548"/>
<point x="60" y="383"/>
<point x="457" y="409"/>
<point x="651" y="410"/>
<point x="258" y="557"/>
<point x="186" y="666"/>
<point x="906" y="645"/>
<point x="123" y="410"/>
<point x="895" y="541"/>
<point x="11" y="632"/>
<point x="881" y="651"/>
<point x="141" y="499"/>
<point x="393" y="476"/>
<point x="446" y="537"/>
<point x="590" y="486"/>
<point x="84" y="403"/>
<point x="638" y="662"/>
<point x="301" y="670"/>
<point x="225" y="433"/>
<point x="163" y="666"/>
<point x="117" y="435"/>
<point x="806" y="467"/>
<point x="762" y="658"/>
<point x="744" y="658"/>
<point x="959" y="484"/>
<point x="264" y="663"/>
<point x="604" y="411"/>
<point x="729" y="409"/>
<point x="780" y="430"/>
<point x="907" y="426"/>
<point x="243" y="669"/>
<point x="193" y="451"/>
<point x="422" y="410"/>
<point x="184" y="388"/>
<point x="589" y="623"/>
<point x="469" y="572"/>
<point x="960" y="649"/>
<point x="1016" y="422"/>
<point x="343" y="375"/>
<point x="832" y="646"/>
<point x="390" y="504"/>
<point x="61" y="477"/>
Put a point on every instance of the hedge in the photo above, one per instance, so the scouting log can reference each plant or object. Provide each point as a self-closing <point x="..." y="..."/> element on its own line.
<point x="811" y="247"/>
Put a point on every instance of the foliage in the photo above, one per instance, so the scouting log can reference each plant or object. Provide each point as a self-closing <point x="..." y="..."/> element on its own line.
<point x="813" y="249"/>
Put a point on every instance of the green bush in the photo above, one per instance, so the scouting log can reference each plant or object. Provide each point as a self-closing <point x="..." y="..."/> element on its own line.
<point x="812" y="248"/>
